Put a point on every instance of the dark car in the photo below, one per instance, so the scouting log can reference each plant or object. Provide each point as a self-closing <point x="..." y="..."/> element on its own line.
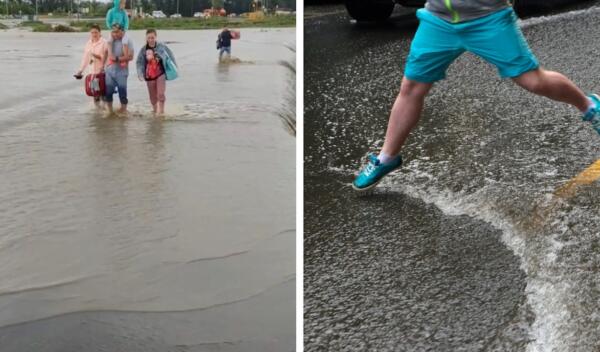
<point x="380" y="10"/>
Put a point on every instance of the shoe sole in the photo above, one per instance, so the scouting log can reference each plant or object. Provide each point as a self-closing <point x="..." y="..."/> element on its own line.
<point x="365" y="191"/>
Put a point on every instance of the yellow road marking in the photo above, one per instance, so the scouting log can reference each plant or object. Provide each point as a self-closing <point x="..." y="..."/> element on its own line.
<point x="540" y="214"/>
<point x="587" y="176"/>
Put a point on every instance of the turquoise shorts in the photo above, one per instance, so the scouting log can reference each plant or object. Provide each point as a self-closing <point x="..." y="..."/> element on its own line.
<point x="496" y="38"/>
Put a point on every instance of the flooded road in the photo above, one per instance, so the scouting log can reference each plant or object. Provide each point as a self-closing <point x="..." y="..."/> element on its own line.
<point x="146" y="234"/>
<point x="474" y="245"/>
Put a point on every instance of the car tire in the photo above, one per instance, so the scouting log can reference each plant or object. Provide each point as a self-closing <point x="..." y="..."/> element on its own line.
<point x="368" y="10"/>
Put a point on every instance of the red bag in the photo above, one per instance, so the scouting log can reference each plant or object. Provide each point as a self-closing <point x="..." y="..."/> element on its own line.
<point x="95" y="85"/>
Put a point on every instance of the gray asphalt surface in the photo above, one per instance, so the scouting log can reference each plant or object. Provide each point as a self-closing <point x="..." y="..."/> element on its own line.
<point x="468" y="247"/>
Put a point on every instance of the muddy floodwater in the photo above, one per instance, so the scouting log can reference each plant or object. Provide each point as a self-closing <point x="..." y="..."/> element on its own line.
<point x="145" y="234"/>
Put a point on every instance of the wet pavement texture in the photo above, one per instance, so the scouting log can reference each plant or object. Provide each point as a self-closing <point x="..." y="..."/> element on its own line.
<point x="469" y="247"/>
<point x="138" y="233"/>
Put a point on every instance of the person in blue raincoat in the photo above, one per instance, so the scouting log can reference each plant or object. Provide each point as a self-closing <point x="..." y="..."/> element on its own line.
<point x="118" y="15"/>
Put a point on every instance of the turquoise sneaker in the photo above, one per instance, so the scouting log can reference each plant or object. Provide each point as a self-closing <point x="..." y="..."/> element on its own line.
<point x="593" y="115"/>
<point x="371" y="174"/>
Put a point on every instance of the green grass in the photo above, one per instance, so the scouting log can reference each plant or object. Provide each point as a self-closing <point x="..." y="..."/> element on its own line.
<point x="3" y="26"/>
<point x="38" y="26"/>
<point x="195" y="23"/>
<point x="30" y="23"/>
<point x="170" y="23"/>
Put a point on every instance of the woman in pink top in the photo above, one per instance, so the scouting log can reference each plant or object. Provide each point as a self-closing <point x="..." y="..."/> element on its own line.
<point x="94" y="56"/>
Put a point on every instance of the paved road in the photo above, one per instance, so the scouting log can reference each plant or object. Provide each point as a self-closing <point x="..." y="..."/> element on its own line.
<point x="469" y="247"/>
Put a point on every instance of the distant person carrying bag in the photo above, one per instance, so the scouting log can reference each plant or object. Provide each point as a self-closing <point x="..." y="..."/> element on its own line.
<point x="224" y="42"/>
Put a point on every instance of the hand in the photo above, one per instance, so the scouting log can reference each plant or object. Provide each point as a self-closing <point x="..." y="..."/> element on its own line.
<point x="141" y="78"/>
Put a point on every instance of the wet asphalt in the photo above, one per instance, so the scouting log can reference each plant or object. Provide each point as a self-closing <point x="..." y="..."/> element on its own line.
<point x="449" y="254"/>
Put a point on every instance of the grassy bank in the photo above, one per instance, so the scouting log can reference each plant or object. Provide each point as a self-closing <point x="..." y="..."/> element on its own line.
<point x="38" y="26"/>
<point x="171" y="23"/>
<point x="3" y="26"/>
<point x="196" y="23"/>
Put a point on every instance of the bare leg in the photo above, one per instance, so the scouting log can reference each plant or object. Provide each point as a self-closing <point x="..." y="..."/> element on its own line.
<point x="123" y="108"/>
<point x="555" y="86"/>
<point x="161" y="87"/>
<point x="109" y="107"/>
<point x="404" y="115"/>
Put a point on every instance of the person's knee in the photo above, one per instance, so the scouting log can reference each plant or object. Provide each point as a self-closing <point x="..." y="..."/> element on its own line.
<point x="533" y="81"/>
<point x="534" y="85"/>
<point x="413" y="89"/>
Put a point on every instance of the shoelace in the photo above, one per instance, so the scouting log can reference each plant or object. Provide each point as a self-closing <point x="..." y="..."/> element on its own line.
<point x="372" y="165"/>
<point x="590" y="115"/>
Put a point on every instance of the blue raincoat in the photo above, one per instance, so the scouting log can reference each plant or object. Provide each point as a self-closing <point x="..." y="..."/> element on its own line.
<point x="116" y="15"/>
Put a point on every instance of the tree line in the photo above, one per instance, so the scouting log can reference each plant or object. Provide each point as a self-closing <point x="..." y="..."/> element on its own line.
<point x="97" y="8"/>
